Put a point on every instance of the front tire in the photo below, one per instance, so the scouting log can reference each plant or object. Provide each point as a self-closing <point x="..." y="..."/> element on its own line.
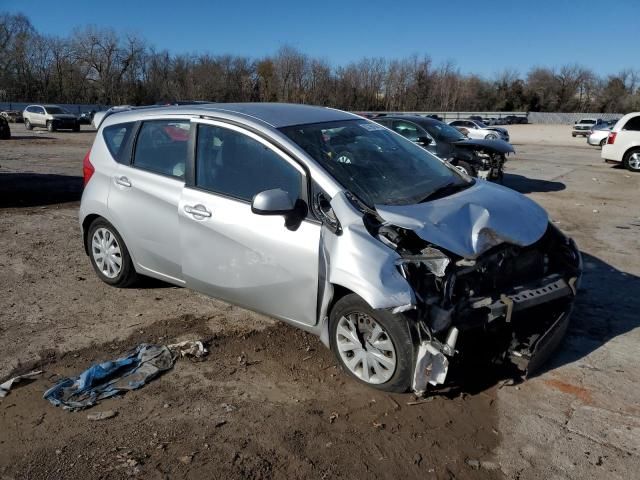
<point x="109" y="255"/>
<point x="603" y="142"/>
<point x="491" y="136"/>
<point x="467" y="168"/>
<point x="27" y="124"/>
<point x="632" y="160"/>
<point x="373" y="346"/>
<point x="50" y="126"/>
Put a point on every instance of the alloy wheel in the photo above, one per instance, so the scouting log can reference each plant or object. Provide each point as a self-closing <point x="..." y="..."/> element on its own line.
<point x="365" y="348"/>
<point x="106" y="252"/>
<point x="634" y="161"/>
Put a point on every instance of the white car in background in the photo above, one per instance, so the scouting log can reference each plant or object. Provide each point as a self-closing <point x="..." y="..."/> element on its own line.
<point x="480" y="131"/>
<point x="598" y="136"/>
<point x="623" y="143"/>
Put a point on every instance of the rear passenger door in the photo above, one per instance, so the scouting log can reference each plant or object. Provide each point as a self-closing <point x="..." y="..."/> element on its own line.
<point x="145" y="193"/>
<point x="231" y="253"/>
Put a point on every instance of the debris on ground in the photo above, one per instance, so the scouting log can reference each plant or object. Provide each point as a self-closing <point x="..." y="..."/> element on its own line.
<point x="6" y="386"/>
<point x="189" y="348"/>
<point x="111" y="378"/>
<point x="102" y="415"/>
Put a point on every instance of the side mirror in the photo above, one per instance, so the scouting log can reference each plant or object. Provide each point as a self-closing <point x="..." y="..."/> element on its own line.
<point x="424" y="141"/>
<point x="272" y="202"/>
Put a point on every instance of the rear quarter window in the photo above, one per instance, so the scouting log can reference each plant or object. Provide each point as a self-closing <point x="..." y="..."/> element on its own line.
<point x="633" y="124"/>
<point x="116" y="137"/>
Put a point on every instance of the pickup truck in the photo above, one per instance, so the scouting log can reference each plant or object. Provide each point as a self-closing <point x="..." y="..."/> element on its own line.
<point x="584" y="126"/>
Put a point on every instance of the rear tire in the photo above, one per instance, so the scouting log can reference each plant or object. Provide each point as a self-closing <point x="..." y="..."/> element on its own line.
<point x="106" y="249"/>
<point x="631" y="160"/>
<point x="603" y="142"/>
<point x="375" y="334"/>
<point x="27" y="124"/>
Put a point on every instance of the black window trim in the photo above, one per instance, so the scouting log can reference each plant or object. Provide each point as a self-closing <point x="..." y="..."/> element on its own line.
<point x="132" y="147"/>
<point x="305" y="192"/>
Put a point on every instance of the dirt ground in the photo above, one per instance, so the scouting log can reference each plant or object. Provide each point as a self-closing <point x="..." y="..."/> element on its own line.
<point x="269" y="400"/>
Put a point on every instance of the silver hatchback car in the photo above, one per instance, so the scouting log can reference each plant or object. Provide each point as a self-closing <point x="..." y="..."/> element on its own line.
<point x="335" y="224"/>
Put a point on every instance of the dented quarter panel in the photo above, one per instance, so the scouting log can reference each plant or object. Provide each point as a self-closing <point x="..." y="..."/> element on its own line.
<point x="473" y="220"/>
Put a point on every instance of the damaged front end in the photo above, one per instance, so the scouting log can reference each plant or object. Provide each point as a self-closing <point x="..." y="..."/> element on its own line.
<point x="511" y="304"/>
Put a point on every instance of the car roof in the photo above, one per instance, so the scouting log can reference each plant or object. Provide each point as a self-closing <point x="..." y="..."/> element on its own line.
<point x="276" y="115"/>
<point x="412" y="118"/>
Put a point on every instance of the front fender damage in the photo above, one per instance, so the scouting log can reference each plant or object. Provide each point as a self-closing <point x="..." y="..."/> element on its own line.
<point x="496" y="289"/>
<point x="352" y="258"/>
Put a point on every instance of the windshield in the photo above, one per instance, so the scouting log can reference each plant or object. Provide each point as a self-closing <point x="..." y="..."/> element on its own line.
<point x="55" y="110"/>
<point x="444" y="132"/>
<point x="377" y="165"/>
<point x="587" y="120"/>
<point x="481" y="124"/>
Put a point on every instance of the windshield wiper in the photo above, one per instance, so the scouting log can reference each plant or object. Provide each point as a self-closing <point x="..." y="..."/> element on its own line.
<point x="445" y="190"/>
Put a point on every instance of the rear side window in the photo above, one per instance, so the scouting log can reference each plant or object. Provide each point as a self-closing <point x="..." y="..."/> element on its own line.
<point x="162" y="147"/>
<point x="116" y="138"/>
<point x="236" y="165"/>
<point x="633" y="124"/>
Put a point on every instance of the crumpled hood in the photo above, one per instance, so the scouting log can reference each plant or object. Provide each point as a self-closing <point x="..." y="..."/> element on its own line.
<point x="496" y="146"/>
<point x="473" y="220"/>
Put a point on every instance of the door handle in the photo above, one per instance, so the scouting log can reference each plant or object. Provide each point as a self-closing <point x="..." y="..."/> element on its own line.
<point x="123" y="181"/>
<point x="197" y="210"/>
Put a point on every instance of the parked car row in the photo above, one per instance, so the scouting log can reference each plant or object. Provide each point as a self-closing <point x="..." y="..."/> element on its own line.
<point x="51" y="117"/>
<point x="506" y="120"/>
<point x="586" y="126"/>
<point x="477" y="158"/>
<point x="479" y="130"/>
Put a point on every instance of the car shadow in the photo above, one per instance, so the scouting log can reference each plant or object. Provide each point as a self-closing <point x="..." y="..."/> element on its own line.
<point x="30" y="137"/>
<point x="605" y="308"/>
<point x="38" y="189"/>
<point x="523" y="184"/>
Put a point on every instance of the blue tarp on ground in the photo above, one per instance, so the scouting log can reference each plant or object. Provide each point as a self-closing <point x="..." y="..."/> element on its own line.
<point x="111" y="378"/>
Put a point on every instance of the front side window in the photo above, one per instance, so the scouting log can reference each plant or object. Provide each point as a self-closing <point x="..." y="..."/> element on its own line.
<point x="161" y="147"/>
<point x="233" y="164"/>
<point x="373" y="163"/>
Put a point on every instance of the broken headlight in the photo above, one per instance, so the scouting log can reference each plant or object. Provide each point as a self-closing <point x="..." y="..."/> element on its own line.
<point x="435" y="261"/>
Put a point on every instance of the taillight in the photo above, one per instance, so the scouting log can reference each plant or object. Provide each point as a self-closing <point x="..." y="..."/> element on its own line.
<point x="611" y="138"/>
<point x="87" y="168"/>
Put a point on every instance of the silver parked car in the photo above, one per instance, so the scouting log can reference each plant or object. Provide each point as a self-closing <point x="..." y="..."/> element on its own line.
<point x="334" y="224"/>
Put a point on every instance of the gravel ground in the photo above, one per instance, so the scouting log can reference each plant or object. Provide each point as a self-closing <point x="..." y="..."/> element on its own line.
<point x="269" y="401"/>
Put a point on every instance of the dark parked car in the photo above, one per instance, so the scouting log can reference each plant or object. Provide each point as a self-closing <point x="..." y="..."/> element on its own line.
<point x="478" y="158"/>
<point x="515" y="120"/>
<point x="12" y="116"/>
<point x="5" y="132"/>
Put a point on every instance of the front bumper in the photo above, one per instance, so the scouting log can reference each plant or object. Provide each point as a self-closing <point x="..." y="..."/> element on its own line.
<point x="65" y="124"/>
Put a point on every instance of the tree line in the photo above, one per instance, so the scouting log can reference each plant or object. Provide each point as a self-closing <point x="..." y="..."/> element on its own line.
<point x="98" y="66"/>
